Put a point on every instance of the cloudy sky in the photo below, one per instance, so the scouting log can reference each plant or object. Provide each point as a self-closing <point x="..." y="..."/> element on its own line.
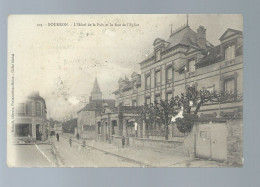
<point x="61" y="62"/>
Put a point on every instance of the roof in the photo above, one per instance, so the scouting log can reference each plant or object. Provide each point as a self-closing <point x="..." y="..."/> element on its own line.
<point x="185" y="35"/>
<point x="126" y="84"/>
<point x="96" y="105"/>
<point x="213" y="56"/>
<point x="35" y="95"/>
<point x="229" y="33"/>
<point x="96" y="88"/>
<point x="182" y="36"/>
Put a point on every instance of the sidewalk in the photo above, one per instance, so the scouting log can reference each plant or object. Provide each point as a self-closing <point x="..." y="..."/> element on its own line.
<point x="148" y="157"/>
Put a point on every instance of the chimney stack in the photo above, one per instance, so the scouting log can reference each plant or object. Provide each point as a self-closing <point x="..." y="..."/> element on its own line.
<point x="201" y="37"/>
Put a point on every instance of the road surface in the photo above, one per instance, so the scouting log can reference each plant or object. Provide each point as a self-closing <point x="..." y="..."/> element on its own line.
<point x="60" y="154"/>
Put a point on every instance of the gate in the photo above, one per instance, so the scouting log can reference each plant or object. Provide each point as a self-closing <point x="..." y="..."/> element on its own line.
<point x="211" y="141"/>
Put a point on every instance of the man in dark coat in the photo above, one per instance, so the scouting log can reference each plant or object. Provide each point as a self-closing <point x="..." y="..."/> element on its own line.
<point x="123" y="141"/>
<point x="58" y="136"/>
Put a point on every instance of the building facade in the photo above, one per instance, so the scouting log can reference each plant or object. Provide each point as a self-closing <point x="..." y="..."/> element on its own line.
<point x="186" y="59"/>
<point x="30" y="118"/>
<point x="86" y="123"/>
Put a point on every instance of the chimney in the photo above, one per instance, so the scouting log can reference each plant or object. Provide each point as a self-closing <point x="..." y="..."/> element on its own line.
<point x="201" y="37"/>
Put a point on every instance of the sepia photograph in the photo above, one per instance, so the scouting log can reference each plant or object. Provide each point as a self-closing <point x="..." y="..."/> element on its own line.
<point x="125" y="90"/>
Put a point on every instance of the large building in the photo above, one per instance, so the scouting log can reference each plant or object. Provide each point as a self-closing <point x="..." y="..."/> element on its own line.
<point x="30" y="118"/>
<point x="87" y="115"/>
<point x="186" y="59"/>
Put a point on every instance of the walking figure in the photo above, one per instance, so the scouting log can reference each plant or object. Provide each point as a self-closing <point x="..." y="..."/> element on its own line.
<point x="123" y="141"/>
<point x="70" y="140"/>
<point x="77" y="136"/>
<point x="58" y="136"/>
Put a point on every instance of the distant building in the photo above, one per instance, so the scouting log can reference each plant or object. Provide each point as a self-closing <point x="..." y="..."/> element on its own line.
<point x="30" y="118"/>
<point x="86" y="116"/>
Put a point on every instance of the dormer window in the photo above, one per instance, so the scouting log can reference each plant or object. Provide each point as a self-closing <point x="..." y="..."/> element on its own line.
<point x="230" y="52"/>
<point x="191" y="65"/>
<point x="158" y="55"/>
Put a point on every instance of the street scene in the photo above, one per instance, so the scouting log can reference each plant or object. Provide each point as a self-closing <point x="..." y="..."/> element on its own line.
<point x="126" y="91"/>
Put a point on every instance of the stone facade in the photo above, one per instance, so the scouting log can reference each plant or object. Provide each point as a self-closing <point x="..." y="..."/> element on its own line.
<point x="185" y="60"/>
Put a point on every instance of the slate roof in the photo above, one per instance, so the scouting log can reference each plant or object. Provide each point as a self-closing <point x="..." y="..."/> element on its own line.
<point x="96" y="105"/>
<point x="213" y="56"/>
<point x="183" y="36"/>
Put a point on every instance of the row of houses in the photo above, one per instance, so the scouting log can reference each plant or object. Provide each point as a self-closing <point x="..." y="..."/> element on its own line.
<point x="186" y="59"/>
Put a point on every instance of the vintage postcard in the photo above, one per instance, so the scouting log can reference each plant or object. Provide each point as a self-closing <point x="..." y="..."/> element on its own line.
<point x="155" y="90"/>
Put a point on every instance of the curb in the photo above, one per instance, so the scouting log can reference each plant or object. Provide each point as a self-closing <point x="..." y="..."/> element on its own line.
<point x="31" y="143"/>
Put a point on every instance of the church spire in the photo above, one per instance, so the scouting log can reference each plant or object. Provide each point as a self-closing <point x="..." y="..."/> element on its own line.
<point x="96" y="94"/>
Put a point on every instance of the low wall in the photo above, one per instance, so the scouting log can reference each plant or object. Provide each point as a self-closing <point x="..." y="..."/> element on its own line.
<point x="169" y="145"/>
<point x="88" y="135"/>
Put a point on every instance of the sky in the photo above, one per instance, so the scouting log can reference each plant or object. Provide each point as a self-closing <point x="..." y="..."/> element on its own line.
<point x="61" y="62"/>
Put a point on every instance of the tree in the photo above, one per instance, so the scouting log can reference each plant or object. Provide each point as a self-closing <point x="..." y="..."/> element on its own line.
<point x="163" y="112"/>
<point x="196" y="99"/>
<point x="146" y="115"/>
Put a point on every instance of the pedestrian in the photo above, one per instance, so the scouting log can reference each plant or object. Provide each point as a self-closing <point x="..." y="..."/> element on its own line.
<point x="58" y="136"/>
<point x="77" y="136"/>
<point x="123" y="141"/>
<point x="70" y="140"/>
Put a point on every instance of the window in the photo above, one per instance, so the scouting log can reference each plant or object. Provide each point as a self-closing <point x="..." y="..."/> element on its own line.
<point x="230" y="52"/>
<point x="158" y="55"/>
<point x="158" y="98"/>
<point x="147" y="100"/>
<point x="38" y="109"/>
<point x="229" y="86"/>
<point x="169" y="96"/>
<point x="169" y="74"/>
<point x="148" y="82"/>
<point x="21" y="109"/>
<point x="99" y="128"/>
<point x="29" y="108"/>
<point x="134" y="103"/>
<point x="157" y="78"/>
<point x="191" y="65"/>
